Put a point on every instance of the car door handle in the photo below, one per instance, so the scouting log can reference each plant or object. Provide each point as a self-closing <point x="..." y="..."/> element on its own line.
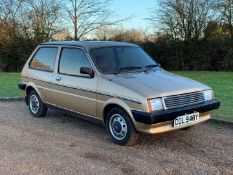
<point x="58" y="78"/>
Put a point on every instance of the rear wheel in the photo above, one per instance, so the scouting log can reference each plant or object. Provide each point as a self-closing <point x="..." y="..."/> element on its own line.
<point x="121" y="128"/>
<point x="36" y="106"/>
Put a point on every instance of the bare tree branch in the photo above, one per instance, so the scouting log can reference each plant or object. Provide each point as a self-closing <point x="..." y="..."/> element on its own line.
<point x="88" y="15"/>
<point x="184" y="19"/>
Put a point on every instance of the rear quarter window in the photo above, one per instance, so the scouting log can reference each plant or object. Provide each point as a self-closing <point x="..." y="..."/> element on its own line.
<point x="44" y="59"/>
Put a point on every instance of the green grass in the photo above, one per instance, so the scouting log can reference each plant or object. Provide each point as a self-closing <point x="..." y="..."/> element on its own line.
<point x="9" y="84"/>
<point x="221" y="82"/>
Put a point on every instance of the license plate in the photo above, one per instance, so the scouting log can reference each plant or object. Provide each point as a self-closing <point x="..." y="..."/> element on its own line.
<point x="185" y="119"/>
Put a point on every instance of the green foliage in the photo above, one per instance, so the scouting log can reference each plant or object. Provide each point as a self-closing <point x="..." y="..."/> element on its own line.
<point x="210" y="55"/>
<point x="216" y="30"/>
<point x="213" y="30"/>
<point x="13" y="54"/>
<point x="222" y="84"/>
<point x="9" y="84"/>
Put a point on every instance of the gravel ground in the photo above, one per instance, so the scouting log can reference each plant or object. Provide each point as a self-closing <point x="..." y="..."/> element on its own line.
<point x="61" y="144"/>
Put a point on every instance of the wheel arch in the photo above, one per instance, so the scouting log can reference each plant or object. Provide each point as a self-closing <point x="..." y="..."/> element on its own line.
<point x="116" y="103"/>
<point x="30" y="87"/>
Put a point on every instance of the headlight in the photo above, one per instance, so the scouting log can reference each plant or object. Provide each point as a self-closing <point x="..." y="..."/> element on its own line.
<point x="208" y="95"/>
<point x="155" y="104"/>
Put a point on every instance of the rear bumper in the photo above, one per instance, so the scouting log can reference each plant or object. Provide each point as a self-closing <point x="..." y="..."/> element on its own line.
<point x="21" y="86"/>
<point x="150" y="118"/>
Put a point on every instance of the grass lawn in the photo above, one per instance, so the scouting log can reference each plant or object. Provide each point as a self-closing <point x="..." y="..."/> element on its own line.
<point x="9" y="84"/>
<point x="221" y="82"/>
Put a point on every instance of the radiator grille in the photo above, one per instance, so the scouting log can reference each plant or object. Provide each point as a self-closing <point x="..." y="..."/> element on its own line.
<point x="182" y="100"/>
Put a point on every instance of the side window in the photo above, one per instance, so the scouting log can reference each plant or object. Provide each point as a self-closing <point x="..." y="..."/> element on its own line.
<point x="71" y="60"/>
<point x="44" y="59"/>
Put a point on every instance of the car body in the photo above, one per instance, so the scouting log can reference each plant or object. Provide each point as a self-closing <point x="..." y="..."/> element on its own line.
<point x="89" y="78"/>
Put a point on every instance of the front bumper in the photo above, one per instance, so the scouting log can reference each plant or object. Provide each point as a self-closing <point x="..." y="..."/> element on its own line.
<point x="154" y="117"/>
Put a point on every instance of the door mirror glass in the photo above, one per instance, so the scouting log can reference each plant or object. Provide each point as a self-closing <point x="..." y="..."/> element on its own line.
<point x="87" y="70"/>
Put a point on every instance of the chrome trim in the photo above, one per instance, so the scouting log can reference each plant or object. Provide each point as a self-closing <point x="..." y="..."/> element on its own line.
<point x="181" y="100"/>
<point x="163" y="103"/>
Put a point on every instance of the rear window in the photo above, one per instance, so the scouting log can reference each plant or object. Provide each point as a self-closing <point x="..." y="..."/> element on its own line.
<point x="44" y="59"/>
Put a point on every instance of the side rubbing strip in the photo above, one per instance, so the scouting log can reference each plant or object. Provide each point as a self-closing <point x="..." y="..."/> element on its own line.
<point x="120" y="97"/>
<point x="92" y="91"/>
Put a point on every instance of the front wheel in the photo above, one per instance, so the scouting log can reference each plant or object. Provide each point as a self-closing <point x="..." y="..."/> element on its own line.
<point x="121" y="128"/>
<point x="36" y="106"/>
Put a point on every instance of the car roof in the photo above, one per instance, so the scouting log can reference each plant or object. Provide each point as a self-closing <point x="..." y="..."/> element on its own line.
<point x="88" y="44"/>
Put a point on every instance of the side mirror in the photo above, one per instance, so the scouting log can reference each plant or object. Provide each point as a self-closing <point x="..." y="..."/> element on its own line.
<point x="87" y="71"/>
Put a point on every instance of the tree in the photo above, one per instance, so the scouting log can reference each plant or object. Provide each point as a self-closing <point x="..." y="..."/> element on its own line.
<point x="184" y="19"/>
<point x="43" y="16"/>
<point x="104" y="33"/>
<point x="88" y="15"/>
<point x="213" y="30"/>
<point x="131" y="35"/>
<point x="225" y="8"/>
<point x="9" y="13"/>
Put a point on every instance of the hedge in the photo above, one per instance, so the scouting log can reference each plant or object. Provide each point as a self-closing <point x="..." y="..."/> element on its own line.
<point x="210" y="55"/>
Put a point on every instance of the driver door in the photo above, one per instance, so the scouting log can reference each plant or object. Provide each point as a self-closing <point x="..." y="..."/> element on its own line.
<point x="71" y="89"/>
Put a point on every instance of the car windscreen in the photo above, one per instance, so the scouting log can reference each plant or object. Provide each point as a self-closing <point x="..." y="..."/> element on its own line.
<point x="120" y="59"/>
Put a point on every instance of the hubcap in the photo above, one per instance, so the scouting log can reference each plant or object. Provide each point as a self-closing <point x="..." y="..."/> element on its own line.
<point x="34" y="104"/>
<point x="118" y="126"/>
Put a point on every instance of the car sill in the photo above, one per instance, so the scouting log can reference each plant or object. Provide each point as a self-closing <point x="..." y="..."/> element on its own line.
<point x="78" y="114"/>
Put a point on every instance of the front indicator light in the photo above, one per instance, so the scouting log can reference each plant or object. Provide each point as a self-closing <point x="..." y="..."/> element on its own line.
<point x="208" y="95"/>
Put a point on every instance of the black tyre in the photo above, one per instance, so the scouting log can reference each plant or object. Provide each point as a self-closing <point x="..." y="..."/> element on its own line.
<point x="36" y="106"/>
<point x="121" y="128"/>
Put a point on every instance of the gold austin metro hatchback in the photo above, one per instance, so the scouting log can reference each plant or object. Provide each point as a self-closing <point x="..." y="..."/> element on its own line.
<point x="116" y="84"/>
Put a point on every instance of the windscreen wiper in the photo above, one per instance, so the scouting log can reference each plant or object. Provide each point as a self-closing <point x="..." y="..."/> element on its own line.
<point x="148" y="67"/>
<point x="129" y="68"/>
<point x="152" y="65"/>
